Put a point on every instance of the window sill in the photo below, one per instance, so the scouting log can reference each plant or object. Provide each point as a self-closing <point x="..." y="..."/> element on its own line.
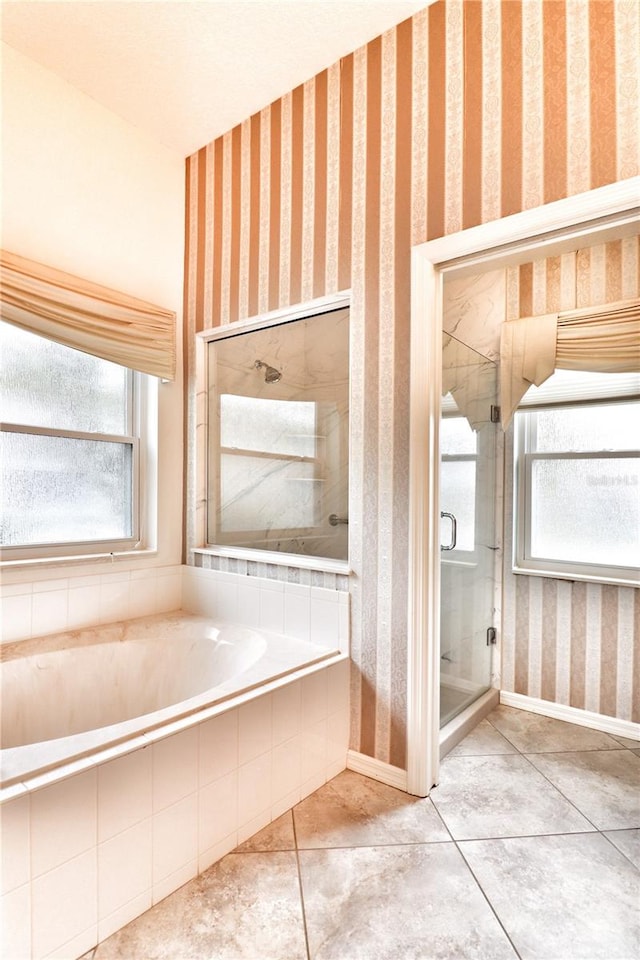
<point x="38" y="563"/>
<point x="283" y="559"/>
<point x="579" y="577"/>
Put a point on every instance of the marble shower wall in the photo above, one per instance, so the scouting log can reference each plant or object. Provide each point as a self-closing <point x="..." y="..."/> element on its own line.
<point x="465" y="113"/>
<point x="264" y="503"/>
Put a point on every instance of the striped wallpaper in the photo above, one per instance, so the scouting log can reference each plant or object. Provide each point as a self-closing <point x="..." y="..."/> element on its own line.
<point x="573" y="643"/>
<point x="466" y="112"/>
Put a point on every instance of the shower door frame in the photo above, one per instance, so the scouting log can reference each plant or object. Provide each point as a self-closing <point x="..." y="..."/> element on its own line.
<point x="603" y="214"/>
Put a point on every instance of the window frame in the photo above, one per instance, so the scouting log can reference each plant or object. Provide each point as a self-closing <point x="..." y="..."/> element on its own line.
<point x="199" y="536"/>
<point x="137" y="438"/>
<point x="524" y="456"/>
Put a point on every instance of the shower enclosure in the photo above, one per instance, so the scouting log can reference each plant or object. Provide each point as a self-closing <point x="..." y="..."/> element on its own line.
<point x="468" y="455"/>
<point x="278" y="433"/>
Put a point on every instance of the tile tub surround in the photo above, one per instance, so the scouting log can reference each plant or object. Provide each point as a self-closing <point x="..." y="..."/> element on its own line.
<point x="84" y="856"/>
<point x="37" y="607"/>
<point x="317" y="614"/>
<point x="360" y="871"/>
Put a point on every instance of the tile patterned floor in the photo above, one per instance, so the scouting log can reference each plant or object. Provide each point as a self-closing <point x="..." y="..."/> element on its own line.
<point x="529" y="848"/>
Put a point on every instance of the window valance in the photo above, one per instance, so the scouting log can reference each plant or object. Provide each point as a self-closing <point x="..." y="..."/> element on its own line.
<point x="87" y="316"/>
<point x="600" y="340"/>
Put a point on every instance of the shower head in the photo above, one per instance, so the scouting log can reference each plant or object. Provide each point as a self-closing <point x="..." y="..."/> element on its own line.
<point x="271" y="375"/>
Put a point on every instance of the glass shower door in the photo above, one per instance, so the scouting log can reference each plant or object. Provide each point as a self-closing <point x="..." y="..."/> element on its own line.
<point x="467" y="526"/>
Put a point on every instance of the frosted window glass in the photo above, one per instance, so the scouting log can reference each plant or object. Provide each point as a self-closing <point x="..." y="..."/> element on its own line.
<point x="615" y="426"/>
<point x="275" y="426"/>
<point x="458" y="493"/>
<point x="457" y="437"/>
<point x="587" y="511"/>
<point x="261" y="494"/>
<point x="46" y="384"/>
<point x="57" y="489"/>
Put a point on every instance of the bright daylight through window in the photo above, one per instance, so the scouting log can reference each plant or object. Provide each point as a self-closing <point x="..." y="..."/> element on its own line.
<point x="459" y="451"/>
<point x="68" y="450"/>
<point x="578" y="490"/>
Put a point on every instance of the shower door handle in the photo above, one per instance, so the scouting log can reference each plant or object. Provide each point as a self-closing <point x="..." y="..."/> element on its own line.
<point x="454" y="531"/>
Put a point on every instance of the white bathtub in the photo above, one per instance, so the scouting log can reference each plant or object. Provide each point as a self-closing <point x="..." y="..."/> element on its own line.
<point x="71" y="695"/>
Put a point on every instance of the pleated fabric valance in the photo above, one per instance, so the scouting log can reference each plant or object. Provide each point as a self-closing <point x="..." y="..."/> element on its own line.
<point x="595" y="339"/>
<point x="87" y="316"/>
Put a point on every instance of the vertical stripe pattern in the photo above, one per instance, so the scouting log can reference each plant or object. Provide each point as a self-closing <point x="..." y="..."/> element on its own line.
<point x="583" y="654"/>
<point x="467" y="112"/>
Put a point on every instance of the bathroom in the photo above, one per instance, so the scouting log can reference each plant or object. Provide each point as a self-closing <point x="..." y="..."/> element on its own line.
<point x="102" y="178"/>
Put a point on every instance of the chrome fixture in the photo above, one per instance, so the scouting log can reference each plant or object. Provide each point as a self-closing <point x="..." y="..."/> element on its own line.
<point x="454" y="530"/>
<point x="271" y="375"/>
<point x="334" y="520"/>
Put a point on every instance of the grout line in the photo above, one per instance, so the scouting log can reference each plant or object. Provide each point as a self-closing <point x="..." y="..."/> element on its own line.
<point x="464" y="860"/>
<point x="488" y="717"/>
<point x="621" y="852"/>
<point x="491" y="906"/>
<point x="555" y="787"/>
<point x="372" y="846"/>
<point x="304" y="912"/>
<point x="528" y="836"/>
<point x="542" y="753"/>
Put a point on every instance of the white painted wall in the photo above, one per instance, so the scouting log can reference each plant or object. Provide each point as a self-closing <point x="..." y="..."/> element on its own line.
<point x="86" y="192"/>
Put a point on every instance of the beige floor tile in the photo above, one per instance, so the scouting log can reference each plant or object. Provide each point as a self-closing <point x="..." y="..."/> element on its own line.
<point x="533" y="733"/>
<point x="401" y="889"/>
<point x="400" y="903"/>
<point x="277" y="836"/>
<point x="604" y="785"/>
<point x="246" y="907"/>
<point x="482" y="741"/>
<point x="626" y="742"/>
<point x="353" y="811"/>
<point x="503" y="796"/>
<point x="628" y="842"/>
<point x="561" y="898"/>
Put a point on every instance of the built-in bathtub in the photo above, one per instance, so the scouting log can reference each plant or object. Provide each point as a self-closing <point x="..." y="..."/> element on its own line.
<point x="73" y="694"/>
<point x="122" y="782"/>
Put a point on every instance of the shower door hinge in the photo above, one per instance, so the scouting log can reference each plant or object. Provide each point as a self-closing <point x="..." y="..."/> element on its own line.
<point x="495" y="413"/>
<point x="491" y="636"/>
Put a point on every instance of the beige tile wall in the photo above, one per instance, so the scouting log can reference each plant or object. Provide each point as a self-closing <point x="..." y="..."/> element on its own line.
<point x="83" y="856"/>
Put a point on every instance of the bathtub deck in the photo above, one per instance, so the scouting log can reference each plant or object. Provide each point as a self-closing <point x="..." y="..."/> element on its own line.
<point x="284" y="659"/>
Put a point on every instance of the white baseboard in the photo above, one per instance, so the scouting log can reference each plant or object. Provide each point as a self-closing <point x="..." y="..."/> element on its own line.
<point x="377" y="770"/>
<point x="584" y="718"/>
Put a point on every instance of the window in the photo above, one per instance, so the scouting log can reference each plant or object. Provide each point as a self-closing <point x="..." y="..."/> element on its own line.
<point x="578" y="489"/>
<point x="69" y="449"/>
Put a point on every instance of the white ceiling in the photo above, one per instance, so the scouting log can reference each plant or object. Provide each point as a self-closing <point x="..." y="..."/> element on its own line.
<point x="186" y="71"/>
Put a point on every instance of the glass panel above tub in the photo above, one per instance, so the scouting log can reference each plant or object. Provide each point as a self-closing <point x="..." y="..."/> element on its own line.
<point x="278" y="436"/>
